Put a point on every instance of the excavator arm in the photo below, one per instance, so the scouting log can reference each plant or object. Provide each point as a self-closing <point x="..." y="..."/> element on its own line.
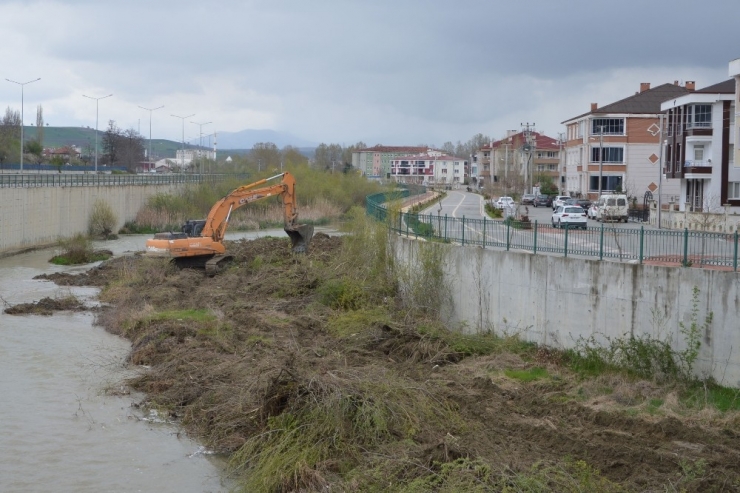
<point x="201" y="242"/>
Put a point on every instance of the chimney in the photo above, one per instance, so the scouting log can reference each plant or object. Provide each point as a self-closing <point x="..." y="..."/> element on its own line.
<point x="594" y="106"/>
<point x="644" y="86"/>
<point x="690" y="85"/>
<point x="675" y="82"/>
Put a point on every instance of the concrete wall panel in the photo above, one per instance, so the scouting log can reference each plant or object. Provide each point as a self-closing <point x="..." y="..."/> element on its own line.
<point x="557" y="301"/>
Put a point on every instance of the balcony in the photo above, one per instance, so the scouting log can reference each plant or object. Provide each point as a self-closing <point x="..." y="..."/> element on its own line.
<point x="698" y="167"/>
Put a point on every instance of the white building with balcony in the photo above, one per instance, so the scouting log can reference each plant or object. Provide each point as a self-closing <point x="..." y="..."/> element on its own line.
<point x="429" y="168"/>
<point x="699" y="137"/>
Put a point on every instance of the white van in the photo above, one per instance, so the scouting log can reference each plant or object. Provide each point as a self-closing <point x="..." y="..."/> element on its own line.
<point x="612" y="207"/>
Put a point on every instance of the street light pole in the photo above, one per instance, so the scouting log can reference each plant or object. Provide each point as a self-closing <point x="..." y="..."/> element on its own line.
<point x="200" y="139"/>
<point x="182" y="158"/>
<point x="97" y="100"/>
<point x="150" y="110"/>
<point x="22" y="84"/>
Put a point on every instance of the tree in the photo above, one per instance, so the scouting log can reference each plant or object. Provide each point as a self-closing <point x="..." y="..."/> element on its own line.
<point x="291" y="156"/>
<point x="265" y="155"/>
<point x="35" y="149"/>
<point x="123" y="148"/>
<point x="40" y="125"/>
<point x="448" y="148"/>
<point x="10" y="136"/>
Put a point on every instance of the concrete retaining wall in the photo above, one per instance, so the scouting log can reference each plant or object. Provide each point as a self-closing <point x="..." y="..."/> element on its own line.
<point x="37" y="217"/>
<point x="555" y="301"/>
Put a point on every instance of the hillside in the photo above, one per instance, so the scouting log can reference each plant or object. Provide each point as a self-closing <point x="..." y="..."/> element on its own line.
<point x="238" y="143"/>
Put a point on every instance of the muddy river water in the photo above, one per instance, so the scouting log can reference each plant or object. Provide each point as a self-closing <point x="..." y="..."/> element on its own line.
<point x="59" y="429"/>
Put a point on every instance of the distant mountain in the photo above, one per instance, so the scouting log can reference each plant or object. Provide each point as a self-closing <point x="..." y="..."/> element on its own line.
<point x="246" y="139"/>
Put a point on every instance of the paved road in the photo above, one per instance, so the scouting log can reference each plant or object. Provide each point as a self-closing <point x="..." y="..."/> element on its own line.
<point x="459" y="217"/>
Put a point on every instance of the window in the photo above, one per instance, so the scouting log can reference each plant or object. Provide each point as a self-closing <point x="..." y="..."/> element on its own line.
<point x="699" y="153"/>
<point x="733" y="191"/>
<point x="608" y="183"/>
<point x="699" y="116"/>
<point x="610" y="126"/>
<point x="610" y="154"/>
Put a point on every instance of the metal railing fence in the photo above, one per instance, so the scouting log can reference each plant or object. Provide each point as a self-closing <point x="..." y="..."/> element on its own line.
<point x="82" y="180"/>
<point x="671" y="247"/>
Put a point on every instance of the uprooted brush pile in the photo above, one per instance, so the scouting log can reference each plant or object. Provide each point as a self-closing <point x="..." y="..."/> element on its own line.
<point x="316" y="373"/>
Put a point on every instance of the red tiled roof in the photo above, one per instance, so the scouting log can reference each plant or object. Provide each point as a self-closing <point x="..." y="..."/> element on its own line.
<point x="395" y="149"/>
<point x="542" y="141"/>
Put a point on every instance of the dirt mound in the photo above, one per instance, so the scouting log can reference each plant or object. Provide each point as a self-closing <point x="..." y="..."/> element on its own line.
<point x="46" y="306"/>
<point x="259" y="363"/>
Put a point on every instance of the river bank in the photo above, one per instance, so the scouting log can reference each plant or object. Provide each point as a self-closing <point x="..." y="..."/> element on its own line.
<point x="318" y="372"/>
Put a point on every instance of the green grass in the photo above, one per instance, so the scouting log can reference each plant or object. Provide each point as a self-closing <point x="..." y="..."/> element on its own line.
<point x="528" y="375"/>
<point x="712" y="395"/>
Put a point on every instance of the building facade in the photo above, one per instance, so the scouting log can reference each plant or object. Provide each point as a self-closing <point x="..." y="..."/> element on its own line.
<point x="375" y="162"/>
<point x="616" y="147"/>
<point x="700" y="135"/>
<point x="430" y="168"/>
<point x="519" y="158"/>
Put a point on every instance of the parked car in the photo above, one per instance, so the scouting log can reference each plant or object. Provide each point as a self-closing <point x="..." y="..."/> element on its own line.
<point x="528" y="199"/>
<point x="584" y="203"/>
<point x="558" y="201"/>
<point x="543" y="201"/>
<point x="611" y="207"/>
<point x="569" y="215"/>
<point x="504" y="203"/>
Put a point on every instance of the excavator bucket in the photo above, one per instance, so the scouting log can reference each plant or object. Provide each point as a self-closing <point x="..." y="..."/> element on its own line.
<point x="300" y="237"/>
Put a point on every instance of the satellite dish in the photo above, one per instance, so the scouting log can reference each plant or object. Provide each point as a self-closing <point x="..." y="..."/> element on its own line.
<point x="526" y="148"/>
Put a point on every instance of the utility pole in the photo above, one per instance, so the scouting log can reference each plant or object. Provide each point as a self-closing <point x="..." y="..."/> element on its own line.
<point x="561" y="160"/>
<point x="660" y="167"/>
<point x="529" y="148"/>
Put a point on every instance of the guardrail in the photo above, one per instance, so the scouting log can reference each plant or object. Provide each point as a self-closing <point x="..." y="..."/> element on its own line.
<point x="658" y="247"/>
<point x="92" y="180"/>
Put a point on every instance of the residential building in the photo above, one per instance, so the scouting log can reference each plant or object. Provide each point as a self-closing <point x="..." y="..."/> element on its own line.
<point x="520" y="157"/>
<point x="185" y="157"/>
<point x="66" y="153"/>
<point x="375" y="162"/>
<point x="616" y="147"/>
<point x="429" y="168"/>
<point x="700" y="135"/>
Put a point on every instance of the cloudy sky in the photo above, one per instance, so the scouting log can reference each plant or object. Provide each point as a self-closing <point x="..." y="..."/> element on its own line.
<point x="396" y="72"/>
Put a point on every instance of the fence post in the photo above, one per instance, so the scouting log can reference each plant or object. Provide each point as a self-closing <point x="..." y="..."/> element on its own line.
<point x="642" y="238"/>
<point x="734" y="259"/>
<point x="407" y="225"/>
<point x="601" y="243"/>
<point x="686" y="247"/>
<point x="463" y="231"/>
<point x="445" y="227"/>
<point x="565" y="247"/>
<point x="484" y="235"/>
<point x="534" y="249"/>
<point x="508" y="238"/>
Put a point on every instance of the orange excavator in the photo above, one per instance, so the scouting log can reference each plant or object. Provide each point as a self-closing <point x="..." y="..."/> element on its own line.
<point x="200" y="243"/>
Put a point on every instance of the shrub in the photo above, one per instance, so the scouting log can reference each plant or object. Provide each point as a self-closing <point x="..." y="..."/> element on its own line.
<point x="102" y="220"/>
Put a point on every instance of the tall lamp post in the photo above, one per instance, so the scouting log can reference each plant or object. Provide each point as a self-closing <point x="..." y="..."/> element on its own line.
<point x="150" y="110"/>
<point x="22" y="84"/>
<point x="200" y="139"/>
<point x="97" y="101"/>
<point x="183" y="118"/>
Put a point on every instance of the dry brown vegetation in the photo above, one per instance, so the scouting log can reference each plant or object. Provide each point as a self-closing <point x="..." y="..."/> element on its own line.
<point x="324" y="372"/>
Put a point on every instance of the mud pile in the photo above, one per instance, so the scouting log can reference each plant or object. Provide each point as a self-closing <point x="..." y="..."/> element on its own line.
<point x="265" y="362"/>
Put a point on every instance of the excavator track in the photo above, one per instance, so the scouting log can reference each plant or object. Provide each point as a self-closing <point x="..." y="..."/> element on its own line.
<point x="217" y="263"/>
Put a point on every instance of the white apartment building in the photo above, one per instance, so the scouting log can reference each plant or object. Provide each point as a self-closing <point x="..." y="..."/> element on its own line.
<point x="429" y="168"/>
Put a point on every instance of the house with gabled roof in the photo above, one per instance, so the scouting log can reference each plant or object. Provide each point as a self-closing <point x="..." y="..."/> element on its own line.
<point x="616" y="147"/>
<point x="528" y="155"/>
